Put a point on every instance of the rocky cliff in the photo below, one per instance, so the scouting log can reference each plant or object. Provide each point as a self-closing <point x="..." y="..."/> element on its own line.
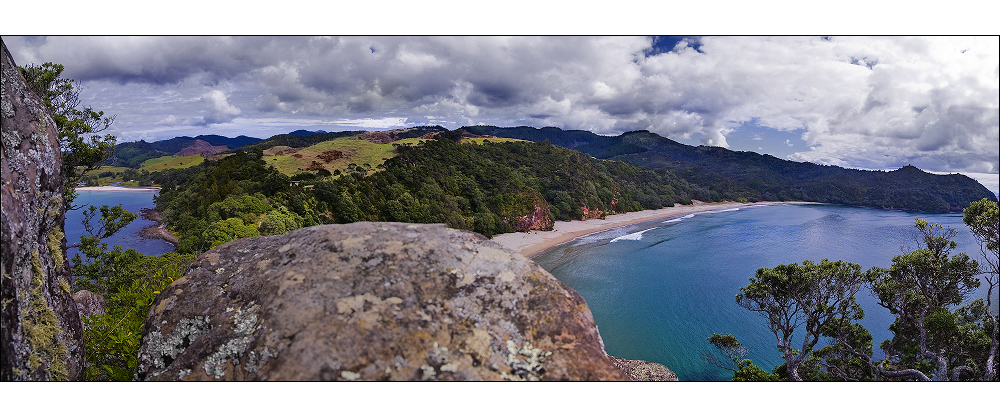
<point x="371" y="301"/>
<point x="41" y="330"/>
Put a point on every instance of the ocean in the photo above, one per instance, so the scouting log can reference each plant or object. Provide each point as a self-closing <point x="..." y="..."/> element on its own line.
<point x="130" y="199"/>
<point x="659" y="289"/>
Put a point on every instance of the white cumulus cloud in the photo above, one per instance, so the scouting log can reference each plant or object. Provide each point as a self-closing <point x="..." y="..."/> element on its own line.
<point x="218" y="108"/>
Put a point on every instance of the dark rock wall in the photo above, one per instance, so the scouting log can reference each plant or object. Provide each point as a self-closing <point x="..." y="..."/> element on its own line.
<point x="41" y="332"/>
<point x="370" y="301"/>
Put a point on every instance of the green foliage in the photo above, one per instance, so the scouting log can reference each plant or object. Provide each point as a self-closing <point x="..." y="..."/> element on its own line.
<point x="128" y="281"/>
<point x="920" y="289"/>
<point x="227" y="230"/>
<point x="735" y="359"/>
<point x="734" y="175"/>
<point x="279" y="221"/>
<point x="488" y="188"/>
<point x="81" y="151"/>
<point x="748" y="372"/>
<point x="810" y="297"/>
<point x="112" y="340"/>
<point x="933" y="338"/>
<point x="732" y="349"/>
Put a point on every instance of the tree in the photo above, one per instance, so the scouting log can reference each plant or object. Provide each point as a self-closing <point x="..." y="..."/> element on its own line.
<point x="984" y="222"/>
<point x="736" y="361"/>
<point x="918" y="289"/>
<point x="930" y="342"/>
<point x="808" y="296"/>
<point x="81" y="151"/>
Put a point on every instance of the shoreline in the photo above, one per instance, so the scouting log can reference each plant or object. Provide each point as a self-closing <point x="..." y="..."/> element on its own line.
<point x="158" y="230"/>
<point x="116" y="188"/>
<point x="534" y="242"/>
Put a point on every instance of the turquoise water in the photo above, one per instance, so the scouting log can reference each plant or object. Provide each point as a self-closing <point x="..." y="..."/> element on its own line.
<point x="659" y="289"/>
<point x="132" y="200"/>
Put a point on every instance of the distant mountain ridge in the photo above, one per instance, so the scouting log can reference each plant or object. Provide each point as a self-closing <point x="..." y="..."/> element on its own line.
<point x="734" y="175"/>
<point x="133" y="154"/>
<point x="752" y="176"/>
<point x="298" y="140"/>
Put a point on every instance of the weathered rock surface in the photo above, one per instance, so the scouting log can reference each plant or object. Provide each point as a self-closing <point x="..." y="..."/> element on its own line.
<point x="643" y="370"/>
<point x="41" y="332"/>
<point x="370" y="301"/>
<point x="88" y="303"/>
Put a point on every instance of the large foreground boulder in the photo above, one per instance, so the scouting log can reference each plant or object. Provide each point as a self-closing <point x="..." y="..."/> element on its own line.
<point x="370" y="301"/>
<point x="41" y="336"/>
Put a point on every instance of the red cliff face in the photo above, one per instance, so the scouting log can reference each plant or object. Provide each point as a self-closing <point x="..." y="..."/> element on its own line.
<point x="589" y="213"/>
<point x="539" y="219"/>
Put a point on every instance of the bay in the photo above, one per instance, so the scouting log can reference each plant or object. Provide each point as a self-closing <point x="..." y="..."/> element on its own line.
<point x="131" y="199"/>
<point x="659" y="289"/>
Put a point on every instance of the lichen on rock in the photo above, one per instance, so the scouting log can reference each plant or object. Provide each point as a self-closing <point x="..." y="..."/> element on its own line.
<point x="371" y="301"/>
<point x="40" y="329"/>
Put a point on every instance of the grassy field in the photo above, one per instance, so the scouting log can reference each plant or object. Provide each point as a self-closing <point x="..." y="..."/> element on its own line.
<point x="171" y="161"/>
<point x="355" y="151"/>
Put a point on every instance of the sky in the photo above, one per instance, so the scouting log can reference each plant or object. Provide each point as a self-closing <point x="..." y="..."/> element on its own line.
<point x="858" y="102"/>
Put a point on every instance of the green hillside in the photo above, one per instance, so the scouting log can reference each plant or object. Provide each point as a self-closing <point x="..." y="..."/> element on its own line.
<point x="171" y="161"/>
<point x="749" y="175"/>
<point x="488" y="186"/>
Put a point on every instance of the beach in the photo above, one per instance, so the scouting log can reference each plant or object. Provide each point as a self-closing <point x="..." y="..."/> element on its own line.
<point x="116" y="188"/>
<point x="534" y="242"/>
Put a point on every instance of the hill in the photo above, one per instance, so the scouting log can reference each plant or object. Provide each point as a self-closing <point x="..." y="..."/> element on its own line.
<point x="486" y="185"/>
<point x="299" y="139"/>
<point x="752" y="176"/>
<point x="133" y="154"/>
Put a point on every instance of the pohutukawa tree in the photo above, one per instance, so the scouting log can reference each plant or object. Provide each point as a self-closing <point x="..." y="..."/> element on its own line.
<point x="808" y="296"/>
<point x="935" y="336"/>
<point x="931" y="341"/>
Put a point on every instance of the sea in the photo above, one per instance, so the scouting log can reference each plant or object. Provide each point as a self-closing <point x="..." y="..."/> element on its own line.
<point x="132" y="199"/>
<point x="659" y="289"/>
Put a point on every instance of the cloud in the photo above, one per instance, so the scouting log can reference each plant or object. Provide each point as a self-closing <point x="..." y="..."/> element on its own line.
<point x="219" y="110"/>
<point x="876" y="103"/>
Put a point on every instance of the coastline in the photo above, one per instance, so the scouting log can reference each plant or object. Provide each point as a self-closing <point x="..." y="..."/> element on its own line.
<point x="158" y="230"/>
<point x="534" y="242"/>
<point x="117" y="188"/>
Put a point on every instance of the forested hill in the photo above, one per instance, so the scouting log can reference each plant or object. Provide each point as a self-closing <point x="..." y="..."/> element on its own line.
<point x="298" y="139"/>
<point x="133" y="154"/>
<point x="489" y="188"/>
<point x="754" y="176"/>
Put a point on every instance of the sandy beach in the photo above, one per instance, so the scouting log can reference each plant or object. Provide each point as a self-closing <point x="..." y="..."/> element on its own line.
<point x="534" y="242"/>
<point x="116" y="188"/>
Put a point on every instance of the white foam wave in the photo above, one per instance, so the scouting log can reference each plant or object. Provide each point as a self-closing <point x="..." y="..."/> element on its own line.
<point x="632" y="236"/>
<point x="723" y="210"/>
<point x="679" y="218"/>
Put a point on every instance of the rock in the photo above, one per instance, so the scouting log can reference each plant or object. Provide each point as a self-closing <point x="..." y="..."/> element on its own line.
<point x="644" y="371"/>
<point x="539" y="219"/>
<point x="88" y="303"/>
<point x="370" y="301"/>
<point x="41" y="337"/>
